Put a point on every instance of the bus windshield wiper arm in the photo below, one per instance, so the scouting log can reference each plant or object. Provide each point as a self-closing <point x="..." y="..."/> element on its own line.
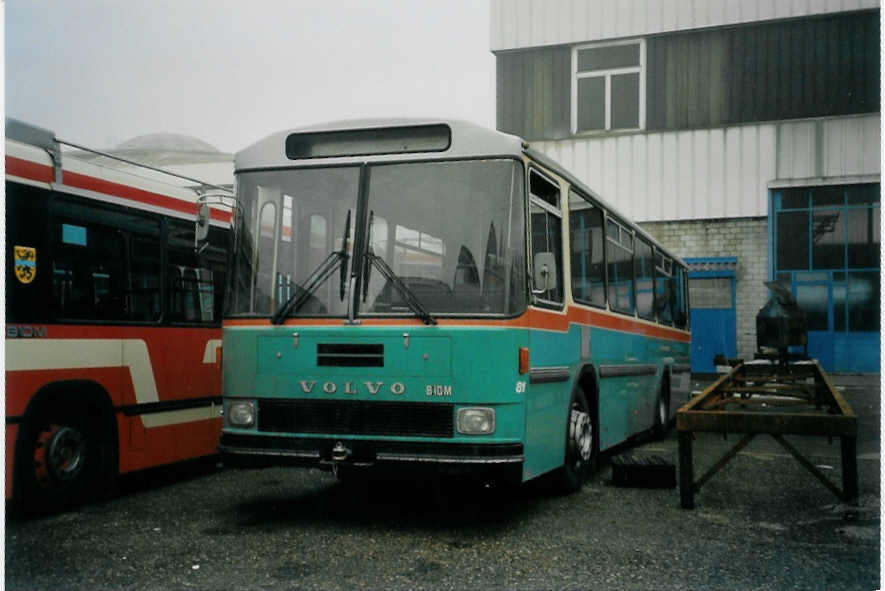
<point x="336" y="259"/>
<point x="406" y="293"/>
<point x="301" y="295"/>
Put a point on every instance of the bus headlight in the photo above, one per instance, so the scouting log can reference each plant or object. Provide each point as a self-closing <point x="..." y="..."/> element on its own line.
<point x="476" y="420"/>
<point x="240" y="413"/>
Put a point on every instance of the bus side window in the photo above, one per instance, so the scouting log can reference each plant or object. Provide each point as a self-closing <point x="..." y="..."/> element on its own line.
<point x="143" y="293"/>
<point x="317" y="232"/>
<point x="264" y="284"/>
<point x="88" y="271"/>
<point x="680" y="305"/>
<point x="587" y="259"/>
<point x="619" y="255"/>
<point x="192" y="280"/>
<point x="466" y="273"/>
<point x="546" y="228"/>
<point x="664" y="288"/>
<point x="105" y="261"/>
<point x="643" y="270"/>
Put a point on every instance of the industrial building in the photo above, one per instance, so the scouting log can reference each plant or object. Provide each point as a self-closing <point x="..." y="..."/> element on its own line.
<point x="744" y="135"/>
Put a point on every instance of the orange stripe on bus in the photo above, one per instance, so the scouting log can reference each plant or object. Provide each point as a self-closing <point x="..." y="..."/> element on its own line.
<point x="42" y="173"/>
<point x="533" y="318"/>
<point x="29" y="170"/>
<point x="90" y="183"/>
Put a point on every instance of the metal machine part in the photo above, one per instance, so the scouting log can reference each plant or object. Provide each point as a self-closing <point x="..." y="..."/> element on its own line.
<point x="780" y="324"/>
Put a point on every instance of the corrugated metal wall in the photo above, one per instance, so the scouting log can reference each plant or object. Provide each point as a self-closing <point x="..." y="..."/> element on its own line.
<point x="537" y="106"/>
<point x="764" y="72"/>
<point x="532" y="23"/>
<point x="715" y="173"/>
<point x="827" y="148"/>
<point x="791" y="69"/>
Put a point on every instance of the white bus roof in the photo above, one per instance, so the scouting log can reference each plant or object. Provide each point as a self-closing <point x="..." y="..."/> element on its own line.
<point x="467" y="140"/>
<point x="31" y="158"/>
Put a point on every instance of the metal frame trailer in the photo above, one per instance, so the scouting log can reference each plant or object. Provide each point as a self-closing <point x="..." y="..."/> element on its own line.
<point x="763" y="397"/>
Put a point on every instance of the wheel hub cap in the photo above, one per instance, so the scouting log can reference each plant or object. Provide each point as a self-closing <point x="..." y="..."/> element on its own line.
<point x="581" y="434"/>
<point x="63" y="455"/>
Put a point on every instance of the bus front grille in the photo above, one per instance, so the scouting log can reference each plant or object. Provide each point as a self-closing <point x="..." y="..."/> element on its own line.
<point x="350" y="417"/>
<point x="350" y="355"/>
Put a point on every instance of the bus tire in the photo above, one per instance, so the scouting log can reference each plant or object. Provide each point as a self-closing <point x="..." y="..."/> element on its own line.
<point x="580" y="444"/>
<point x="64" y="457"/>
<point x="349" y="475"/>
<point x="662" y="408"/>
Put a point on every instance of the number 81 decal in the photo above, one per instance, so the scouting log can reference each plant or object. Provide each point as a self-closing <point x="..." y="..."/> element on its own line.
<point x="520" y="387"/>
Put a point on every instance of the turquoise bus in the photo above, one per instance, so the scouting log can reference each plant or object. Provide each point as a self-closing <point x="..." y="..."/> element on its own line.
<point x="431" y="294"/>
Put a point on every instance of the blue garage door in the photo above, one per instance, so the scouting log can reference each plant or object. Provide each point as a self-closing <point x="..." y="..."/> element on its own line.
<point x="825" y="247"/>
<point x="711" y="284"/>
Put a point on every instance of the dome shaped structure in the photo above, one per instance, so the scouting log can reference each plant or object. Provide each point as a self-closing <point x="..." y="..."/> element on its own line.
<point x="166" y="142"/>
<point x="174" y="152"/>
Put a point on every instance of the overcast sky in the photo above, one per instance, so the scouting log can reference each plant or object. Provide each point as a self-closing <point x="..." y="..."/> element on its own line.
<point x="230" y="72"/>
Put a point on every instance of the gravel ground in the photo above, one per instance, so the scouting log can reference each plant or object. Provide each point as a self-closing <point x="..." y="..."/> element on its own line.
<point x="762" y="523"/>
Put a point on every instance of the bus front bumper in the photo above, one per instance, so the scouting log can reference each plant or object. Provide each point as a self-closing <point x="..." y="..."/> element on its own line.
<point x="250" y="451"/>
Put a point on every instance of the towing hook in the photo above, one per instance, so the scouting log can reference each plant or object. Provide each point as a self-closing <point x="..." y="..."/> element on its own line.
<point x="340" y="452"/>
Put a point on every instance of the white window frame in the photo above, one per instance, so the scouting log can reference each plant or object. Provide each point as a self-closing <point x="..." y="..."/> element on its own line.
<point x="607" y="74"/>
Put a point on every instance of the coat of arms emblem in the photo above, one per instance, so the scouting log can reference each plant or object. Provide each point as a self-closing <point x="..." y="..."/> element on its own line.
<point x="25" y="263"/>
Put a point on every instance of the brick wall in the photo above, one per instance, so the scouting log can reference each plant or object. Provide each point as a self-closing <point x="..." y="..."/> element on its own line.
<point x="744" y="238"/>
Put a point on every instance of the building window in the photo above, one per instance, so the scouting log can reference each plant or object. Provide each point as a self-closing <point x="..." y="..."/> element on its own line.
<point x="711" y="293"/>
<point x="608" y="86"/>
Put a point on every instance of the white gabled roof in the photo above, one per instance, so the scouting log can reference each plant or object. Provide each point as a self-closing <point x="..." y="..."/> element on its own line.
<point x="468" y="140"/>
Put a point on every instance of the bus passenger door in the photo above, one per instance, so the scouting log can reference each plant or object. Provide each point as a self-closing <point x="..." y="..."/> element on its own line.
<point x="547" y="398"/>
<point x="191" y="369"/>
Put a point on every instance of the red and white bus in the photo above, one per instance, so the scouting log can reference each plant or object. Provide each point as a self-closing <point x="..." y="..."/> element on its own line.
<point x="113" y="331"/>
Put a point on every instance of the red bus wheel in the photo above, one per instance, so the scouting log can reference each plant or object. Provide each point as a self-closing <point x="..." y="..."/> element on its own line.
<point x="59" y="455"/>
<point x="63" y="459"/>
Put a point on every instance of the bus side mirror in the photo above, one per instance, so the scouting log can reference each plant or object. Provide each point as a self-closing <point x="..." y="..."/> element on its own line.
<point x="201" y="231"/>
<point x="544" y="268"/>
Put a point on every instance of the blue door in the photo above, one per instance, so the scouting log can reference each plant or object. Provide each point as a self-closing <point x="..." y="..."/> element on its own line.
<point x="843" y="334"/>
<point x="814" y="294"/>
<point x="711" y="283"/>
<point x="824" y="242"/>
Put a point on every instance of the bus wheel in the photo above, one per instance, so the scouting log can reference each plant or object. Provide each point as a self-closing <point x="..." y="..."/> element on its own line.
<point x="64" y="460"/>
<point x="580" y="444"/>
<point x="662" y="408"/>
<point x="348" y="475"/>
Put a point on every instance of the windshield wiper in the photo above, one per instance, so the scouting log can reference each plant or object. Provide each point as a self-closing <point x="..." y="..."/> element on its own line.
<point x="367" y="267"/>
<point x="406" y="293"/>
<point x="408" y="296"/>
<point x="336" y="260"/>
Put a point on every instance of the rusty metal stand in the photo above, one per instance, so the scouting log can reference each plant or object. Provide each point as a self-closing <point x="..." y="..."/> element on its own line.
<point x="816" y="408"/>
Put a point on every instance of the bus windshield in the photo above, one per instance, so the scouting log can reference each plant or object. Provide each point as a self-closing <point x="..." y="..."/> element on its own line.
<point x="451" y="232"/>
